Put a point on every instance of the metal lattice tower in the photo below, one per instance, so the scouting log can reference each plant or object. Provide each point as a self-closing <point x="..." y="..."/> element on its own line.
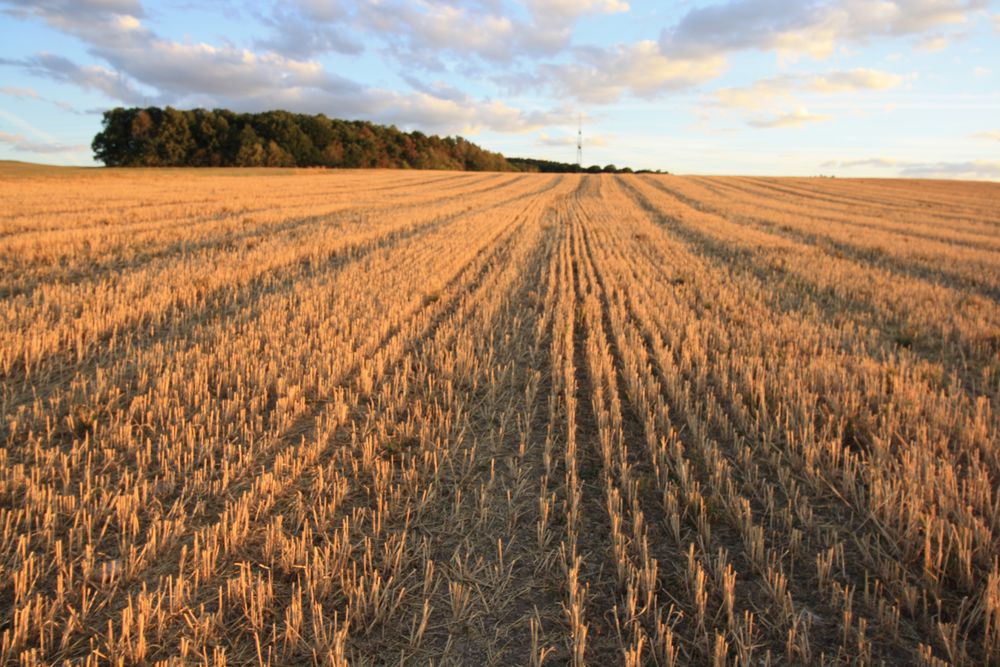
<point x="579" y="142"/>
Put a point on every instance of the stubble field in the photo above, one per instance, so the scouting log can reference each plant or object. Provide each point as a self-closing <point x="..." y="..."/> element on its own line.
<point x="377" y="417"/>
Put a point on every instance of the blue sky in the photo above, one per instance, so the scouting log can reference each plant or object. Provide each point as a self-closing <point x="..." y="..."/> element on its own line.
<point x="843" y="87"/>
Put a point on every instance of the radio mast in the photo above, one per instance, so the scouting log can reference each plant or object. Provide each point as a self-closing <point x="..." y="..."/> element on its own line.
<point x="579" y="142"/>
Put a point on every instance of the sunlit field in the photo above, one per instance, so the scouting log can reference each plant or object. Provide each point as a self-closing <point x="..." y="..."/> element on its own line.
<point x="373" y="417"/>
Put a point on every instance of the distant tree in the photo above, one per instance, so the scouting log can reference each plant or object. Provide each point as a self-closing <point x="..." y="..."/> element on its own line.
<point x="113" y="144"/>
<point x="172" y="141"/>
<point x="276" y="156"/>
<point x="251" y="151"/>
<point x="333" y="154"/>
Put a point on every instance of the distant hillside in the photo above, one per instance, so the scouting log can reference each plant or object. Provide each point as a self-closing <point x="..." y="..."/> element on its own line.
<point x="154" y="137"/>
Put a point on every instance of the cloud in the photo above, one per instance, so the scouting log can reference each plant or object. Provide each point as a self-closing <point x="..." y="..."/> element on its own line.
<point x="855" y="79"/>
<point x="465" y="116"/>
<point x="422" y="31"/>
<point x="183" y="69"/>
<point x="145" y="68"/>
<point x="867" y="162"/>
<point x="32" y="94"/>
<point x="20" y="93"/>
<point x="791" y="119"/>
<point x="813" y="27"/>
<point x="996" y="23"/>
<point x="438" y="89"/>
<point x="90" y="20"/>
<point x="64" y="12"/>
<point x="562" y="140"/>
<point x="306" y="28"/>
<point x="431" y="33"/>
<point x="92" y="78"/>
<point x="764" y="92"/>
<point x="970" y="169"/>
<point x="22" y="144"/>
<point x="980" y="72"/>
<point x="551" y="28"/>
<point x="974" y="169"/>
<point x="988" y="135"/>
<point x="932" y="44"/>
<point x="604" y="75"/>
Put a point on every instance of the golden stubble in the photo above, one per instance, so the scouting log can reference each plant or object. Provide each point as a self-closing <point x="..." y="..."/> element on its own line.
<point x="311" y="417"/>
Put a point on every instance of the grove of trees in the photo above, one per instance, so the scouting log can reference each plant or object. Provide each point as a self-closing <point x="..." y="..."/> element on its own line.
<point x="154" y="137"/>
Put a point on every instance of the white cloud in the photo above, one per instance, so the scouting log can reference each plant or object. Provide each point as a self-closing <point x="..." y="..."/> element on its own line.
<point x="603" y="76"/>
<point x="145" y="68"/>
<point x="855" y="79"/>
<point x="22" y="144"/>
<point x="429" y="33"/>
<point x="306" y="28"/>
<point x="552" y="21"/>
<point x="800" y="116"/>
<point x="980" y="72"/>
<point x="813" y="28"/>
<point x="988" y="135"/>
<point x="764" y="92"/>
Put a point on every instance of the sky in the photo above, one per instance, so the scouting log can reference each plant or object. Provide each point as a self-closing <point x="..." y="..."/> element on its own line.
<point x="784" y="87"/>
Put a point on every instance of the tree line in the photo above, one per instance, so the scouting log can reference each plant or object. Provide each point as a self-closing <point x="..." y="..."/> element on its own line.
<point x="168" y="137"/>
<point x="551" y="167"/>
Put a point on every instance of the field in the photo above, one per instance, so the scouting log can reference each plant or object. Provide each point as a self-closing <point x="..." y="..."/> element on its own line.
<point x="310" y="417"/>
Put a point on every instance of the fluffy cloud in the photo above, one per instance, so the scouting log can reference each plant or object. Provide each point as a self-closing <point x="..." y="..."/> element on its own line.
<point x="800" y="116"/>
<point x="428" y="33"/>
<point x="145" y="68"/>
<point x="604" y="75"/>
<point x="22" y="144"/>
<point x="813" y="27"/>
<point x="422" y="32"/>
<point x="551" y="27"/>
<point x="988" y="135"/>
<point x="148" y="69"/>
<point x="765" y="92"/>
<point x="307" y="28"/>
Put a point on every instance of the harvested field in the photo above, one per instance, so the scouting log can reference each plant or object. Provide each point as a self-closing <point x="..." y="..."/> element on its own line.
<point x="374" y="417"/>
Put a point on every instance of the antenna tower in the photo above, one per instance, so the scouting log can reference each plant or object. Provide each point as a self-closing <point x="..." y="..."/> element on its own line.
<point x="579" y="142"/>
